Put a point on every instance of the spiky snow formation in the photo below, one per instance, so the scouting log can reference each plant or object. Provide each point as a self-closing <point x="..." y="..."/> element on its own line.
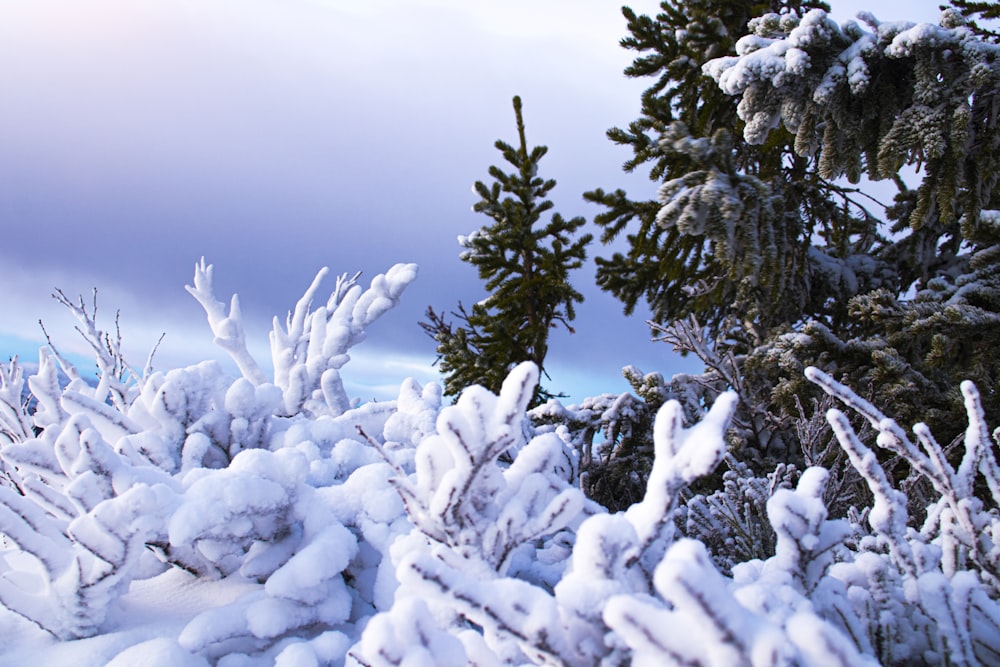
<point x="412" y="533"/>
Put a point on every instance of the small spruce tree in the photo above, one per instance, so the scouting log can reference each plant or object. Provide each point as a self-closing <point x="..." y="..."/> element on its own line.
<point x="525" y="264"/>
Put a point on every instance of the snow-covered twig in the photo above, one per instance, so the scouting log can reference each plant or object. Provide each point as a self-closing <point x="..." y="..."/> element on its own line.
<point x="310" y="350"/>
<point x="15" y="422"/>
<point x="682" y="456"/>
<point x="964" y="526"/>
<point x="227" y="328"/>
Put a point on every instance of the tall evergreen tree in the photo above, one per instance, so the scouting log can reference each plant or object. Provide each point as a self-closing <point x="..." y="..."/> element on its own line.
<point x="759" y="231"/>
<point x="871" y="100"/>
<point x="525" y="263"/>
<point x="689" y="257"/>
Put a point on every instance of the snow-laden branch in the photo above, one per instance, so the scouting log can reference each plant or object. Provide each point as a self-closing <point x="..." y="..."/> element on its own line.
<point x="310" y="350"/>
<point x="682" y="456"/>
<point x="15" y="421"/>
<point x="227" y="328"/>
<point x="81" y="523"/>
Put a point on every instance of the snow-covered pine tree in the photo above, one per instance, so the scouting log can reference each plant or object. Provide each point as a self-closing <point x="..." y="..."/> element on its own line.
<point x="868" y="100"/>
<point x="730" y="239"/>
<point x="525" y="264"/>
<point x="725" y="246"/>
<point x="761" y="233"/>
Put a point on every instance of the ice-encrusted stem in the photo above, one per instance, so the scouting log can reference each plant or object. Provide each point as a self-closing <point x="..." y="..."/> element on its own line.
<point x="227" y="328"/>
<point x="310" y="350"/>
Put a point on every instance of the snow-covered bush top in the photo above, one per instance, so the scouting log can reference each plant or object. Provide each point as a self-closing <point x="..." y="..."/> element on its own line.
<point x="312" y="347"/>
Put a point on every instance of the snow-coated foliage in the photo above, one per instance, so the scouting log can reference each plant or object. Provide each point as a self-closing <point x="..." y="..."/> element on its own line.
<point x="109" y="482"/>
<point x="525" y="613"/>
<point x="310" y="350"/>
<point x="927" y="89"/>
<point x="412" y="533"/>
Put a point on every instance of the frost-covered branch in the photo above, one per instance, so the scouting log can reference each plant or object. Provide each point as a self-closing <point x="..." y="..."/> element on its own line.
<point x="15" y="421"/>
<point x="227" y="328"/>
<point x="752" y="421"/>
<point x="117" y="381"/>
<point x="961" y="519"/>
<point x="732" y="522"/>
<point x="310" y="350"/>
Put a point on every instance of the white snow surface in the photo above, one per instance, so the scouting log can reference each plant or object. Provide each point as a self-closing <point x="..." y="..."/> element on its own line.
<point x="151" y="615"/>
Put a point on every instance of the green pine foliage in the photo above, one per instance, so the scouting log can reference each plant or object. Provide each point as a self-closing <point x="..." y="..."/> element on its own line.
<point x="759" y="126"/>
<point x="525" y="264"/>
<point x="869" y="102"/>
<point x="730" y="238"/>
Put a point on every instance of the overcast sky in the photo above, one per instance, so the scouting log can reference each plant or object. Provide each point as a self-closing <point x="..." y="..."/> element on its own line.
<point x="275" y="137"/>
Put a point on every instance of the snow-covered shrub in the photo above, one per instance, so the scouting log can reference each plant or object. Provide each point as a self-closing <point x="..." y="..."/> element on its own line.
<point x="928" y="594"/>
<point x="836" y="591"/>
<point x="461" y="495"/>
<point x="865" y="588"/>
<point x="112" y="481"/>
<point x="452" y="563"/>
<point x="77" y="513"/>
<point x="482" y="528"/>
<point x="407" y="532"/>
